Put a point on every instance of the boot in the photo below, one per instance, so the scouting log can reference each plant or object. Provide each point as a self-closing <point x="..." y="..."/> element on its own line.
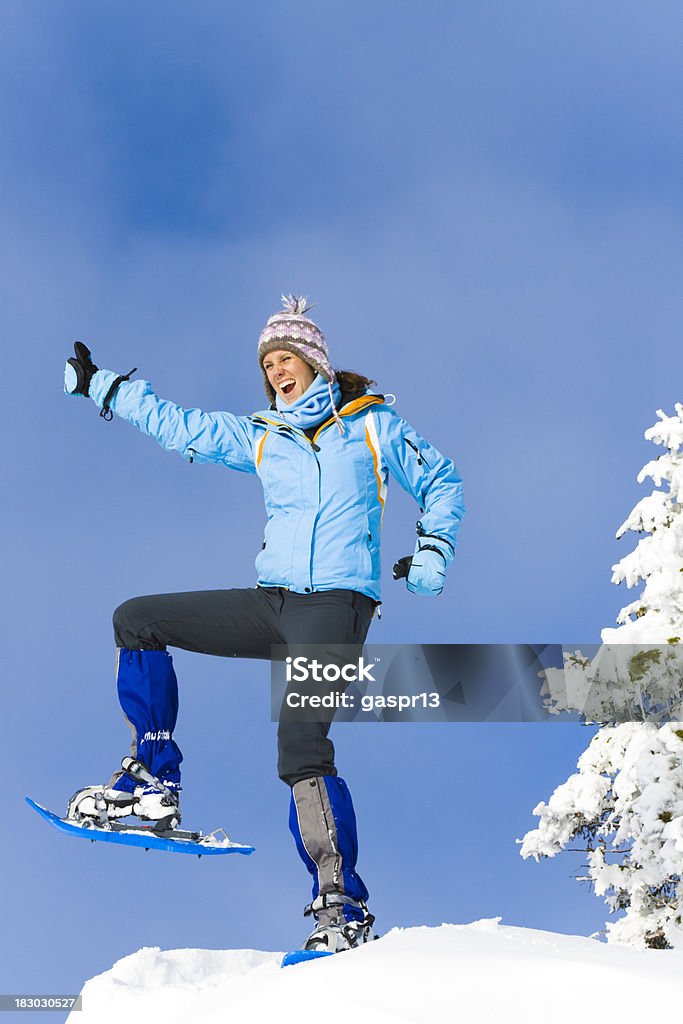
<point x="333" y="933"/>
<point x="103" y="804"/>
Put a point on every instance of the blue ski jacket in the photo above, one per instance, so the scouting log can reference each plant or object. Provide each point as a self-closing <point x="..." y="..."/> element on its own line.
<point x="324" y="497"/>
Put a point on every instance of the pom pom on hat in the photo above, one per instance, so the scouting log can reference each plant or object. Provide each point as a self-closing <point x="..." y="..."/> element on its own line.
<point x="295" y="304"/>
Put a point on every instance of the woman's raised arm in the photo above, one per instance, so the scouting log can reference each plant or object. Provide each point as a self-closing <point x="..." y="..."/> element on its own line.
<point x="199" y="436"/>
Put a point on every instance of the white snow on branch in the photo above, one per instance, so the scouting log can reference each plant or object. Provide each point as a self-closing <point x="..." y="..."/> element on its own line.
<point x="624" y="804"/>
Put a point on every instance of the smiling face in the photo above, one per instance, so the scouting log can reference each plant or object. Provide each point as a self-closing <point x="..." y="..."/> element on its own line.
<point x="288" y="375"/>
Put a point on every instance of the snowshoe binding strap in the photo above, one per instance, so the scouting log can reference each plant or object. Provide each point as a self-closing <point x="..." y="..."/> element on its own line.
<point x="101" y="808"/>
<point x="141" y="774"/>
<point x="329" y="900"/>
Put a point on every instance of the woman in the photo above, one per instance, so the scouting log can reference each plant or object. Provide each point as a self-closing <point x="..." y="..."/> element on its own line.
<point x="323" y="450"/>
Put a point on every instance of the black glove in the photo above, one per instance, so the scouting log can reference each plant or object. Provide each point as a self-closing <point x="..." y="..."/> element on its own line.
<point x="79" y="371"/>
<point x="402" y="567"/>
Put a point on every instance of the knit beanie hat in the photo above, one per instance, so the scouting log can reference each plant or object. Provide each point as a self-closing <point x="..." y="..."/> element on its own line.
<point x="292" y="330"/>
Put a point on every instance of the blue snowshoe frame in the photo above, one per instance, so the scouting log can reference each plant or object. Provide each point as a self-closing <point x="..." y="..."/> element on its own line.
<point x="139" y="835"/>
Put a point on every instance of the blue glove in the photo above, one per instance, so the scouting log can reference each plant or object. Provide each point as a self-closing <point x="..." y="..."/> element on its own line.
<point x="425" y="570"/>
<point x="427" y="573"/>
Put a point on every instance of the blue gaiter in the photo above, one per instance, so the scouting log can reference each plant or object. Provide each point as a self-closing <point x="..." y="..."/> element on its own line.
<point x="323" y="823"/>
<point x="148" y="693"/>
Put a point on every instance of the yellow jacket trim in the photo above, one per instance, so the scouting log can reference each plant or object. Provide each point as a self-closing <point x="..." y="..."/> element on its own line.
<point x="349" y="409"/>
<point x="259" y="449"/>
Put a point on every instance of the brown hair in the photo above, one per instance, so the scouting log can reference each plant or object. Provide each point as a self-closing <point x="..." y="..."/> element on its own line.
<point x="353" y="384"/>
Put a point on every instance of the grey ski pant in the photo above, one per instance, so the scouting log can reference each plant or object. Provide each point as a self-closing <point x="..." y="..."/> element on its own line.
<point x="245" y="624"/>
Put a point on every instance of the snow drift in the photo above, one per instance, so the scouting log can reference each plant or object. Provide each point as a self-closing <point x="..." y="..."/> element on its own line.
<point x="476" y="972"/>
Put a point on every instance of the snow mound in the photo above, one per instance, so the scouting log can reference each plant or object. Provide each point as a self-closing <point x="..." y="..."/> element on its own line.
<point x="478" y="971"/>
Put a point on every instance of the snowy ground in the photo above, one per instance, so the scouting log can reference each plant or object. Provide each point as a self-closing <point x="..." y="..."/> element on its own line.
<point x="474" y="973"/>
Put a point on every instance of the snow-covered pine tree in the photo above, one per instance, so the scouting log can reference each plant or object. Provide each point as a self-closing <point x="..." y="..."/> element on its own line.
<point x="625" y="802"/>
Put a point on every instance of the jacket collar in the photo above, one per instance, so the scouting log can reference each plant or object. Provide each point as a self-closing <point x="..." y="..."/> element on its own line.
<point x="347" y="407"/>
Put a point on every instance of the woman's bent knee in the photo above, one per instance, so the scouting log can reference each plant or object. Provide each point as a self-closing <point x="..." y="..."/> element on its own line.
<point x="132" y="623"/>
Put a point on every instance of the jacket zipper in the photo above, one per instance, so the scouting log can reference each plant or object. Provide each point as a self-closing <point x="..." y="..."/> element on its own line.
<point x="420" y="456"/>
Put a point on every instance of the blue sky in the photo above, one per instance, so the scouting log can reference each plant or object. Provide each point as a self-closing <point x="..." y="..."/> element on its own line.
<point x="484" y="203"/>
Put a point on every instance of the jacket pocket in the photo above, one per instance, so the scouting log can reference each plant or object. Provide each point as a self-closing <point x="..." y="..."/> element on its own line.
<point x="366" y="551"/>
<point x="192" y="455"/>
